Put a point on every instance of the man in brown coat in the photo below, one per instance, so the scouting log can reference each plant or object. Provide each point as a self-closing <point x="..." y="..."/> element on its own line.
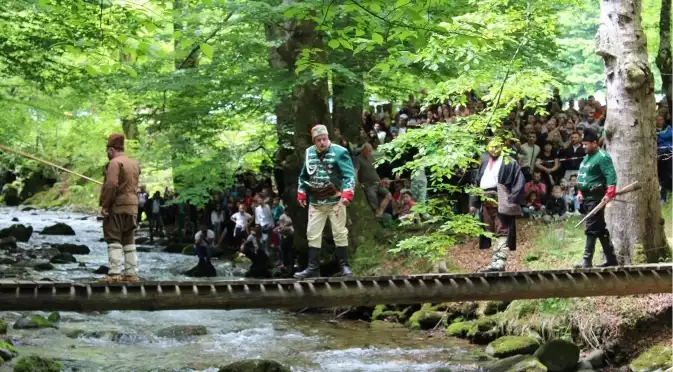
<point x="119" y="204"/>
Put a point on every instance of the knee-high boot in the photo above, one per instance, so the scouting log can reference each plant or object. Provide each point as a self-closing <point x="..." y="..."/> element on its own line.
<point x="609" y="250"/>
<point x="313" y="268"/>
<point x="589" y="249"/>
<point x="499" y="256"/>
<point x="342" y="257"/>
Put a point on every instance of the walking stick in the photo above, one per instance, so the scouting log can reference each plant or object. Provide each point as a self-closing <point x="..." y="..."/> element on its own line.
<point x="20" y="153"/>
<point x="632" y="187"/>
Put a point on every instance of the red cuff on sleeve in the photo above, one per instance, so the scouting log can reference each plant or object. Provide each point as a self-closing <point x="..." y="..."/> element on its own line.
<point x="301" y="196"/>
<point x="579" y="194"/>
<point x="348" y="195"/>
<point x="612" y="192"/>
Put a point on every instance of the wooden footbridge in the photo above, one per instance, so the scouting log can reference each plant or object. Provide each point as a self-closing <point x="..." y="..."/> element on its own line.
<point x="329" y="292"/>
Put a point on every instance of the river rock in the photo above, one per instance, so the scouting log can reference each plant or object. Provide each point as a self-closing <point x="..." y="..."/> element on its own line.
<point x="8" y="244"/>
<point x="10" y="194"/>
<point x="202" y="269"/>
<point x="77" y="333"/>
<point x="459" y="329"/>
<point x="512" y="345"/>
<point x="58" y="229"/>
<point x="584" y="365"/>
<point x="382" y="324"/>
<point x="102" y="270"/>
<point x="63" y="258"/>
<point x="14" y="219"/>
<point x="491" y="307"/>
<point x="33" y="322"/>
<point x="72" y="248"/>
<point x="35" y="363"/>
<point x="174" y="248"/>
<point x="43" y="266"/>
<point x="257" y="365"/>
<point x="20" y="232"/>
<point x="27" y="209"/>
<point x="142" y="240"/>
<point x="7" y="351"/>
<point x="558" y="355"/>
<point x="182" y="332"/>
<point x="657" y="358"/>
<point x="596" y="358"/>
<point x="505" y="364"/>
<point x="483" y="331"/>
<point x="426" y="318"/>
<point x="54" y="317"/>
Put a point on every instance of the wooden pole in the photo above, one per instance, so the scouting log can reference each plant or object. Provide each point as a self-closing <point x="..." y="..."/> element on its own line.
<point x="632" y="187"/>
<point x="21" y="153"/>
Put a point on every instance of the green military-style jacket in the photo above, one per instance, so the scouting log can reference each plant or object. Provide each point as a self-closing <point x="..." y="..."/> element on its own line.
<point x="335" y="167"/>
<point x="596" y="173"/>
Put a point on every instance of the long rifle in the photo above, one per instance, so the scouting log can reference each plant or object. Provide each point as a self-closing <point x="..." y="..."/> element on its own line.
<point x="632" y="187"/>
<point x="21" y="153"/>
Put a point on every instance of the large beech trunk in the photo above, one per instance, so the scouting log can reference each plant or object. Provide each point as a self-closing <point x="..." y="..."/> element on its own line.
<point x="634" y="220"/>
<point x="296" y="113"/>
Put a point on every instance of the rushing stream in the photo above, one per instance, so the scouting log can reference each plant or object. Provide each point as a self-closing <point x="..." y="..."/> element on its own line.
<point x="302" y="342"/>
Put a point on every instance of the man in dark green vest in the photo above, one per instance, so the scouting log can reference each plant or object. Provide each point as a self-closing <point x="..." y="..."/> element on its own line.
<point x="596" y="181"/>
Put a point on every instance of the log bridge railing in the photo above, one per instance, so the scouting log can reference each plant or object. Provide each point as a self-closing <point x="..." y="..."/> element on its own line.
<point x="331" y="292"/>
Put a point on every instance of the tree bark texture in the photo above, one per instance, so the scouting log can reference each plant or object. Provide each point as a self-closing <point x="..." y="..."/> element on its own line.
<point x="664" y="56"/>
<point x="635" y="219"/>
<point x="296" y="113"/>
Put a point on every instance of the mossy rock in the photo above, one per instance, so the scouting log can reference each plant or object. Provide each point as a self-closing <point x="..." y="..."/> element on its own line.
<point x="491" y="307"/>
<point x="380" y="324"/>
<point x="558" y="355"/>
<point x="181" y="332"/>
<point x="242" y="260"/>
<point x="483" y="331"/>
<point x="391" y="313"/>
<point x="425" y="318"/>
<point x="459" y="329"/>
<point x="33" y="322"/>
<point x="656" y="358"/>
<point x="530" y="364"/>
<point x="189" y="250"/>
<point x="9" y="351"/>
<point x="522" y="308"/>
<point x="37" y="364"/>
<point x="512" y="345"/>
<point x="255" y="366"/>
<point x="3" y="327"/>
<point x="77" y="333"/>
<point x="455" y="310"/>
<point x="54" y="317"/>
<point x="503" y="365"/>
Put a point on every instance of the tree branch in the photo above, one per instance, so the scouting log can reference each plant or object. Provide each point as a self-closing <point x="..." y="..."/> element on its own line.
<point x="212" y="35"/>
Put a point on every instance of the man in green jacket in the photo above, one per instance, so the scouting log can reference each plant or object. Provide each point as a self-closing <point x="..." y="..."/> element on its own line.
<point x="596" y="181"/>
<point x="327" y="183"/>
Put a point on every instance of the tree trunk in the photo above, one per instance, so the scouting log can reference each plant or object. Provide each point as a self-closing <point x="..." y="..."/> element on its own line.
<point x="664" y="56"/>
<point x="296" y="113"/>
<point x="130" y="127"/>
<point x="347" y="99"/>
<point x="634" y="221"/>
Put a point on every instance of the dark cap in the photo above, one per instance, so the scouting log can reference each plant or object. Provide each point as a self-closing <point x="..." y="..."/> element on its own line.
<point x="116" y="141"/>
<point x="590" y="135"/>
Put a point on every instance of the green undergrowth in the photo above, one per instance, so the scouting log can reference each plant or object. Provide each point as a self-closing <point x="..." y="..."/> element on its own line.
<point x="556" y="245"/>
<point x="372" y="258"/>
<point x="81" y="198"/>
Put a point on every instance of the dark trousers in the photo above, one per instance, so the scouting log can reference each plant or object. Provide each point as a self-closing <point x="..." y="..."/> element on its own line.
<point x="286" y="250"/>
<point x="595" y="225"/>
<point x="664" y="165"/>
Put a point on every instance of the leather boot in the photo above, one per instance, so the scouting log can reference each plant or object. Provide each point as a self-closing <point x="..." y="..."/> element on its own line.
<point x="609" y="250"/>
<point x="313" y="267"/>
<point x="342" y="257"/>
<point x="589" y="248"/>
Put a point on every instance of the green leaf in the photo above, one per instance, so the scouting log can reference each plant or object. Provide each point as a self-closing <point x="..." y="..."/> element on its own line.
<point x="359" y="32"/>
<point x="377" y="38"/>
<point x="151" y="27"/>
<point x="177" y="34"/>
<point x="334" y="43"/>
<point x="290" y="12"/>
<point x="376" y="8"/>
<point x="186" y="43"/>
<point x="346" y="44"/>
<point x="43" y="3"/>
<point x="130" y="70"/>
<point x="301" y="67"/>
<point x="207" y="50"/>
<point x="207" y="2"/>
<point x="91" y="70"/>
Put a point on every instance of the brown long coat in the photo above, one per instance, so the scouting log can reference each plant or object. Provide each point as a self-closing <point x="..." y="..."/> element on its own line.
<point x="118" y="193"/>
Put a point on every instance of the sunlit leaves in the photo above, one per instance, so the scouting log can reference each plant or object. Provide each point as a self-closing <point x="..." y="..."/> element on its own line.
<point x="207" y="50"/>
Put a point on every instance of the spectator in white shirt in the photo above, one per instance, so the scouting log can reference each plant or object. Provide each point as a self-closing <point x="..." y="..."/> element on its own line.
<point x="217" y="221"/>
<point x="264" y="219"/>
<point x="242" y="220"/>
<point x="203" y="242"/>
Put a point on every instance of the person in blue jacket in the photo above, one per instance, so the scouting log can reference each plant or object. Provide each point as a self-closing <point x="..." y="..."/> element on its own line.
<point x="664" y="154"/>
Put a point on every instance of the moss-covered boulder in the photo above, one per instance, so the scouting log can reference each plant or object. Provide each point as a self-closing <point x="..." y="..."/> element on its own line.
<point x="426" y="318"/>
<point x="3" y="327"/>
<point x="486" y="308"/>
<point x="37" y="364"/>
<point x="504" y="365"/>
<point x="508" y="346"/>
<point x="392" y="313"/>
<point x="58" y="229"/>
<point x="558" y="355"/>
<point x="242" y="260"/>
<point x="483" y="331"/>
<point x="260" y="365"/>
<point x="656" y="358"/>
<point x="182" y="332"/>
<point x="382" y="324"/>
<point x="54" y="317"/>
<point x="189" y="250"/>
<point x="33" y="322"/>
<point x="77" y="333"/>
<point x="459" y="329"/>
<point x="529" y="364"/>
<point x="7" y="351"/>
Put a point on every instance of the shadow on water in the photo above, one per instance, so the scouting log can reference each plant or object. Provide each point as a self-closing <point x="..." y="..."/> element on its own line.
<point x="128" y="341"/>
